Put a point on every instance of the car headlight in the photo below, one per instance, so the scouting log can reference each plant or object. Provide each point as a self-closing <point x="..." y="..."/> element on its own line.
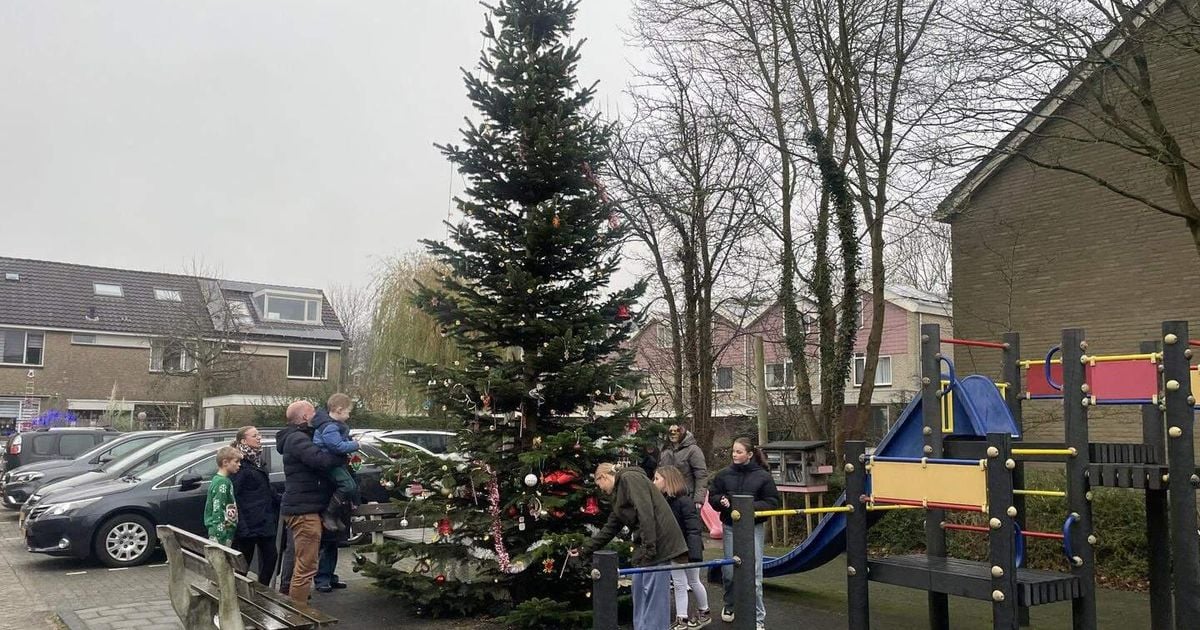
<point x="25" y="477"/>
<point x="58" y="509"/>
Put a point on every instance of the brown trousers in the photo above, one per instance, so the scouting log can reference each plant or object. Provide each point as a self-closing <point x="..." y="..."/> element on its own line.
<point x="306" y="534"/>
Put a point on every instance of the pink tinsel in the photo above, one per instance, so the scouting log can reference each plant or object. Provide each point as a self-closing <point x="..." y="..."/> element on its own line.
<point x="497" y="530"/>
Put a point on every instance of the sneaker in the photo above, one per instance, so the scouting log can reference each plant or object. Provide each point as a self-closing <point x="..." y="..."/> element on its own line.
<point x="760" y="626"/>
<point x="702" y="618"/>
<point x="681" y="623"/>
<point x="727" y="614"/>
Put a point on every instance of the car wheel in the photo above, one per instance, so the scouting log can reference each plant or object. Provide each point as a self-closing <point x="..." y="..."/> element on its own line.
<point x="125" y="540"/>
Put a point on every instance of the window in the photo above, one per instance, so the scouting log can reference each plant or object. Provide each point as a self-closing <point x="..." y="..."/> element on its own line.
<point x="43" y="444"/>
<point x="73" y="444"/>
<point x="306" y="364"/>
<point x="171" y="357"/>
<point x="724" y="380"/>
<point x="108" y="290"/>
<point x="131" y="445"/>
<point x="21" y="347"/>
<point x="83" y="340"/>
<point x="883" y="371"/>
<point x="780" y="375"/>
<point x="239" y="312"/>
<point x="205" y="469"/>
<point x="862" y="313"/>
<point x="168" y="295"/>
<point x="665" y="340"/>
<point x="283" y="308"/>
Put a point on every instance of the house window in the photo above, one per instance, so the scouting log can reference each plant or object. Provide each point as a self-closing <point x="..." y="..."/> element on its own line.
<point x="21" y="347"/>
<point x="83" y="340"/>
<point x="862" y="314"/>
<point x="780" y="375"/>
<point x="307" y="364"/>
<point x="109" y="290"/>
<point x="665" y="340"/>
<point x="724" y="379"/>
<point x="240" y="313"/>
<point x="284" y="308"/>
<point x="883" y="370"/>
<point x="170" y="357"/>
<point x="168" y="295"/>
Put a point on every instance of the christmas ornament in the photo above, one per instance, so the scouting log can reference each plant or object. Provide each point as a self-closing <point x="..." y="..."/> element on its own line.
<point x="440" y="579"/>
<point x="591" y="507"/>
<point x="531" y="480"/>
<point x="443" y="527"/>
<point x="614" y="221"/>
<point x="537" y="441"/>
<point x="622" y="312"/>
<point x="404" y="522"/>
<point x="634" y="425"/>
<point x="548" y="565"/>
<point x="521" y="524"/>
<point x="512" y="511"/>
<point x="560" y="477"/>
<point x="433" y="301"/>
<point x="497" y="530"/>
<point x="556" y="222"/>
<point x="558" y="513"/>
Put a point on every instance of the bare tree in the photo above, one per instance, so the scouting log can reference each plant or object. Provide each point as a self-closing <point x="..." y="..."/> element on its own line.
<point x="687" y="188"/>
<point x="355" y="307"/>
<point x="1086" y="77"/>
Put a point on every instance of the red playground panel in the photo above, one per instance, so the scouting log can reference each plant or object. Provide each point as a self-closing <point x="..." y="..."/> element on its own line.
<point x="1124" y="380"/>
<point x="1035" y="380"/>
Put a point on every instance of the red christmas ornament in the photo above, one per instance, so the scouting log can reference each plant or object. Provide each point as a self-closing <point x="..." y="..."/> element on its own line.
<point x="443" y="527"/>
<point x="622" y="312"/>
<point x="558" y="513"/>
<point x="634" y="425"/>
<point x="560" y="477"/>
<point x="591" y="507"/>
<point x="441" y="579"/>
<point x="512" y="511"/>
<point x="548" y="565"/>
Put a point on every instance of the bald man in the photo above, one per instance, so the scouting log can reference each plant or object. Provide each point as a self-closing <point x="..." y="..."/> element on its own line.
<point x="307" y="489"/>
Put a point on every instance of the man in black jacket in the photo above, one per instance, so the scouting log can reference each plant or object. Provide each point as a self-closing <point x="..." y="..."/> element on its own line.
<point x="307" y="488"/>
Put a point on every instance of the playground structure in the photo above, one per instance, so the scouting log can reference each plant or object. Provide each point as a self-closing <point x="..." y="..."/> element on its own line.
<point x="958" y="447"/>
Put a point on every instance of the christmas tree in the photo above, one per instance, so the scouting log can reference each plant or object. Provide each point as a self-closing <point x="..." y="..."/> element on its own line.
<point x="541" y="379"/>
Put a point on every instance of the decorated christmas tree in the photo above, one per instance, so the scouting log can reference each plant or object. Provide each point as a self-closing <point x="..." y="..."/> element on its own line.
<point x="541" y="385"/>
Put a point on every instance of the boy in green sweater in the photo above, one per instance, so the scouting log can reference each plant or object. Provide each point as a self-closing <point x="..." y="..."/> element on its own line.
<point x="220" y="510"/>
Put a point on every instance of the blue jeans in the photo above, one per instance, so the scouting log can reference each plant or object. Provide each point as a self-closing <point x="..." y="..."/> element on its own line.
<point x="326" y="564"/>
<point x="652" y="601"/>
<point x="760" y="612"/>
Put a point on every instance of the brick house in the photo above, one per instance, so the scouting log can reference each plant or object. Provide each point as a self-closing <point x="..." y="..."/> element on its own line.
<point x="105" y="343"/>
<point x="735" y="394"/>
<point x="1037" y="250"/>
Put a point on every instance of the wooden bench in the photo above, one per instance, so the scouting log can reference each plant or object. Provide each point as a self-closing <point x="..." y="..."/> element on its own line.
<point x="208" y="582"/>
<point x="377" y="518"/>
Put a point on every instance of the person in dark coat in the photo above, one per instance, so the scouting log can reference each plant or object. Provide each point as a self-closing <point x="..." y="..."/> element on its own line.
<point x="748" y="474"/>
<point x="307" y="489"/>
<point x="685" y="454"/>
<point x="638" y="505"/>
<point x="257" y="503"/>
<point x="670" y="482"/>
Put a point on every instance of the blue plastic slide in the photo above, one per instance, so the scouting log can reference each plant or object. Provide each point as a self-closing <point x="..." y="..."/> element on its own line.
<point x="978" y="410"/>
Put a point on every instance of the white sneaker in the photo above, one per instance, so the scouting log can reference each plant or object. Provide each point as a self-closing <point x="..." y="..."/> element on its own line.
<point x="727" y="614"/>
<point x="760" y="626"/>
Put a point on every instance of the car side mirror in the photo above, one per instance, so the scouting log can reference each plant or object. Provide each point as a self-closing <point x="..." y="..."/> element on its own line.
<point x="190" y="482"/>
<point x="107" y="457"/>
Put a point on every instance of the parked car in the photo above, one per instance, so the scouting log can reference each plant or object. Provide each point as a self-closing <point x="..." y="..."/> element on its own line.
<point x="17" y="485"/>
<point x="429" y="441"/>
<point x="164" y="449"/>
<point x="27" y="447"/>
<point x="113" y="519"/>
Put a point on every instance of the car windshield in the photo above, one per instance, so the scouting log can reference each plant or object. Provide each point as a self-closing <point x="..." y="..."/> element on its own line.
<point x="110" y="444"/>
<point x="124" y="463"/>
<point x="173" y="464"/>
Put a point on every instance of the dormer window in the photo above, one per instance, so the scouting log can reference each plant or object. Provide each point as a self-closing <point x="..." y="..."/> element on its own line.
<point x="168" y="295"/>
<point x="107" y="290"/>
<point x="295" y="308"/>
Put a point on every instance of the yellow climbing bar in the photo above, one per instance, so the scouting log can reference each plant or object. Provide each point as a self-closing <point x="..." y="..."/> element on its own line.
<point x="799" y="511"/>
<point x="1028" y="362"/>
<point x="885" y="508"/>
<point x="1034" y="452"/>
<point x="1093" y="359"/>
<point x="1041" y="493"/>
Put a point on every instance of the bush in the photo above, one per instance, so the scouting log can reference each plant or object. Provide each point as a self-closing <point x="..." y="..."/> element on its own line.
<point x="1119" y="518"/>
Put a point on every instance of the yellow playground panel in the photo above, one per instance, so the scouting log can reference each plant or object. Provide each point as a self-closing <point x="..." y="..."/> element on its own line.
<point x="955" y="486"/>
<point x="1195" y="383"/>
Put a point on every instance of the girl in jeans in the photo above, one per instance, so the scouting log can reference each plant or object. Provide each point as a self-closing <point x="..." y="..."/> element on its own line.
<point x="670" y="481"/>
<point x="748" y="475"/>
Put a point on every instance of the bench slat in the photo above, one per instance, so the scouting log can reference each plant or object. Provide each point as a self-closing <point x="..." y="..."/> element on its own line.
<point x="195" y="544"/>
<point x="250" y="615"/>
<point x="382" y="525"/>
<point x="378" y="509"/>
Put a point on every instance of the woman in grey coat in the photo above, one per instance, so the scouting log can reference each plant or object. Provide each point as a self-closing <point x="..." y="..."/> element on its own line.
<point x="683" y="453"/>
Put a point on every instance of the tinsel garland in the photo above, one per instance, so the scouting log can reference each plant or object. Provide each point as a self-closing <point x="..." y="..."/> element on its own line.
<point x="497" y="530"/>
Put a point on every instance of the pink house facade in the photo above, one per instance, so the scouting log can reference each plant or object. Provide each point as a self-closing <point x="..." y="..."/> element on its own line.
<point x="735" y="393"/>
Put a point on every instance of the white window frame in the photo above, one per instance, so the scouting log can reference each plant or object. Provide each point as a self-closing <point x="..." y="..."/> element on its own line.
<point x="158" y="347"/>
<point x="862" y="313"/>
<point x="168" y="295"/>
<point x="788" y="375"/>
<point x="108" y="289"/>
<point x="308" y="299"/>
<point x="83" y="339"/>
<point x="663" y="335"/>
<point x="25" y="348"/>
<point x="323" y="377"/>
<point x="854" y="370"/>
<point x="717" y="379"/>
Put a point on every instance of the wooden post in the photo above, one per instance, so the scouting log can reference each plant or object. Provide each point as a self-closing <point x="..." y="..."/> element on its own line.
<point x="228" y="609"/>
<point x="931" y="408"/>
<point x="604" y="590"/>
<point x="743" y="572"/>
<point x="857" y="587"/>
<point x="1181" y="456"/>
<point x="1012" y="399"/>
<point x="1158" y="537"/>
<point x="1001" y="534"/>
<point x="1083" y="608"/>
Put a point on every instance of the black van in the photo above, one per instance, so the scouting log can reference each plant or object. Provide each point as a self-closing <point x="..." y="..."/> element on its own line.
<point x="27" y="447"/>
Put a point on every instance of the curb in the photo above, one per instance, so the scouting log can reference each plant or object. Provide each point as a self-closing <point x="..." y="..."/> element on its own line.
<point x="69" y="619"/>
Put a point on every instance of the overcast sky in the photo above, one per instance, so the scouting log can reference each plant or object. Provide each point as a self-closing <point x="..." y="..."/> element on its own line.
<point x="281" y="141"/>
